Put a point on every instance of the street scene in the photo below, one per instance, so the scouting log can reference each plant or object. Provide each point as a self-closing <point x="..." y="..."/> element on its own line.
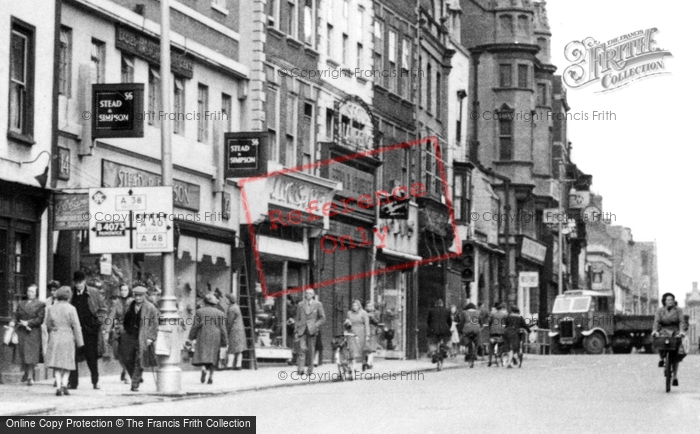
<point x="376" y="215"/>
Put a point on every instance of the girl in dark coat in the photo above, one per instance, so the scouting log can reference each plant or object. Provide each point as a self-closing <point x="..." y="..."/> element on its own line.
<point x="28" y="318"/>
<point x="115" y="326"/>
<point x="209" y="332"/>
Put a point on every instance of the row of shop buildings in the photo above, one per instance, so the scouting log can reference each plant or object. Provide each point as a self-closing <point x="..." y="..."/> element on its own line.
<point x="331" y="85"/>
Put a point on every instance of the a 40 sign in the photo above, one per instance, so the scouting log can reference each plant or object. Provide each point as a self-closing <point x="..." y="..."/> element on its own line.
<point x="131" y="220"/>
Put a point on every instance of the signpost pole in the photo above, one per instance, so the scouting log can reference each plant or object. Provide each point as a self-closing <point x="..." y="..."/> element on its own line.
<point x="169" y="372"/>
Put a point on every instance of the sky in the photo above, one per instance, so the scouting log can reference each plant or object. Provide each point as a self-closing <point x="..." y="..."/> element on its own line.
<point x="644" y="162"/>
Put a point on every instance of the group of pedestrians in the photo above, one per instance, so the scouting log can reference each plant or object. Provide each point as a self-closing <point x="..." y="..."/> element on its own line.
<point x="74" y="325"/>
<point x="475" y="328"/>
<point x="359" y="338"/>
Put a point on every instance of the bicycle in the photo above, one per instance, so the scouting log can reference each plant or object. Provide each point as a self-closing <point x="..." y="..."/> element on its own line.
<point x="497" y="342"/>
<point x="521" y="347"/>
<point x="440" y="354"/>
<point x="669" y="346"/>
<point x="471" y="348"/>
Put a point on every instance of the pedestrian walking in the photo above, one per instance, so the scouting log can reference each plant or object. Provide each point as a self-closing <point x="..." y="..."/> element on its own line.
<point x="439" y="324"/>
<point x="373" y="342"/>
<point x="51" y="289"/>
<point x="115" y="326"/>
<point x="209" y="332"/>
<point x="236" y="333"/>
<point x="291" y="321"/>
<point x="27" y="320"/>
<point x="485" y="329"/>
<point x="454" y="339"/>
<point x="65" y="335"/>
<point x="359" y="321"/>
<point x="310" y="317"/>
<point x="140" y="332"/>
<point x="92" y="312"/>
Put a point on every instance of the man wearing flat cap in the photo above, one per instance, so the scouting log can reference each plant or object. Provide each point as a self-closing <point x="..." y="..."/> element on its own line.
<point x="140" y="332"/>
<point x="92" y="311"/>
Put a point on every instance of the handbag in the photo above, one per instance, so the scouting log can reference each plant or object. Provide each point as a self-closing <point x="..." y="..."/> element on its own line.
<point x="152" y="360"/>
<point x="10" y="337"/>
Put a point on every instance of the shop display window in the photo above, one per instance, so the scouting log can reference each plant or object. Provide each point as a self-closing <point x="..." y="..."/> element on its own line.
<point x="201" y="266"/>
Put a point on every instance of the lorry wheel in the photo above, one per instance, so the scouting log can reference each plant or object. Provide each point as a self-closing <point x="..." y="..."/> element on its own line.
<point x="594" y="344"/>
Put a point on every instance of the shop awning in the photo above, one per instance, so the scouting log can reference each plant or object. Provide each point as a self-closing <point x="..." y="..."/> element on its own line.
<point x="213" y="252"/>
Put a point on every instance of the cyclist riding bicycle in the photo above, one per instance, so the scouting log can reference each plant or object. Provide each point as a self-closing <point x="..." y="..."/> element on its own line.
<point x="497" y="327"/>
<point x="514" y="323"/>
<point x="439" y="324"/>
<point x="470" y="322"/>
<point x="668" y="320"/>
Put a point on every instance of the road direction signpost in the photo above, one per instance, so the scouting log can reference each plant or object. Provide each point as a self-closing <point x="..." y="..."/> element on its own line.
<point x="131" y="220"/>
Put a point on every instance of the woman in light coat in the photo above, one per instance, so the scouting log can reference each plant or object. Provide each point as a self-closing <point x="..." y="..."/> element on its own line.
<point x="360" y="328"/>
<point x="236" y="333"/>
<point x="209" y="330"/>
<point x="65" y="335"/>
<point x="27" y="321"/>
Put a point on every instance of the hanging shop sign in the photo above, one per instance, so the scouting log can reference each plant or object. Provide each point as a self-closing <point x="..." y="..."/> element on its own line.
<point x="528" y="279"/>
<point x="130" y="220"/>
<point x="70" y="211"/>
<point x="533" y="250"/>
<point x="185" y="194"/>
<point x="354" y="124"/>
<point x="148" y="48"/>
<point x="579" y="199"/>
<point x="63" y="164"/>
<point x="395" y="205"/>
<point x="246" y="154"/>
<point x="117" y="110"/>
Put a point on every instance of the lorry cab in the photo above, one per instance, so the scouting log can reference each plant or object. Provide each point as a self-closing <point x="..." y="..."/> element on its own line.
<point x="582" y="317"/>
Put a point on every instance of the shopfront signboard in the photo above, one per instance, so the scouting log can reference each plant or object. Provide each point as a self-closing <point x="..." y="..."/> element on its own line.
<point x="70" y="211"/>
<point x="117" y="110"/>
<point x="130" y="220"/>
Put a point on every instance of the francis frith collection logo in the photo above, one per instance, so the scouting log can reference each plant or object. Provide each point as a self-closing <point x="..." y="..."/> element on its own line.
<point x="615" y="63"/>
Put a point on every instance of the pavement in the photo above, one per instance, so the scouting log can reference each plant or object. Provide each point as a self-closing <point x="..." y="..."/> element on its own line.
<point x="23" y="400"/>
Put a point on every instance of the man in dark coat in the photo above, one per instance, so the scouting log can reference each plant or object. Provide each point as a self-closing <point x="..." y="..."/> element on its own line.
<point x="310" y="317"/>
<point x="141" y="330"/>
<point x="439" y="324"/>
<point x="497" y="327"/>
<point x="92" y="311"/>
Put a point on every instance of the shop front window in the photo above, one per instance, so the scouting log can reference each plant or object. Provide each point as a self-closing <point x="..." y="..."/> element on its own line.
<point x="390" y="308"/>
<point x="274" y="312"/>
<point x="201" y="266"/>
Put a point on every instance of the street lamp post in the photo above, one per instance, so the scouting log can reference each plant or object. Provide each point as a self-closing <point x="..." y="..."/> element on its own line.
<point x="169" y="373"/>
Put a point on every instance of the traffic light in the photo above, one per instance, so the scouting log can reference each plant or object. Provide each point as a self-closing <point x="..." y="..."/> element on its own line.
<point x="468" y="262"/>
